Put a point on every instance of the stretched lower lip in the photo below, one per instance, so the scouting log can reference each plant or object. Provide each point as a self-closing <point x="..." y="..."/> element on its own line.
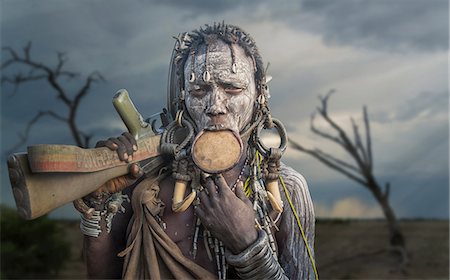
<point x="215" y="127"/>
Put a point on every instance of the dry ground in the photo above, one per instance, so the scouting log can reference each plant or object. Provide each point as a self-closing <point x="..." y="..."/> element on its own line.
<point x="349" y="250"/>
<point x="358" y="250"/>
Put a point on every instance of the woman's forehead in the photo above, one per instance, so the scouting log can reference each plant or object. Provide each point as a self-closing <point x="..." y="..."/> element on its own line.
<point x="218" y="54"/>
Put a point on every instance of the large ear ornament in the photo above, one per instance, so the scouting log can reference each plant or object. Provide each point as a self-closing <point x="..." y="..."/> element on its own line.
<point x="273" y="156"/>
<point x="179" y="203"/>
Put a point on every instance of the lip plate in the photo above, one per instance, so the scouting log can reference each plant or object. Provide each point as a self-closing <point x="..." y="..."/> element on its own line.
<point x="216" y="151"/>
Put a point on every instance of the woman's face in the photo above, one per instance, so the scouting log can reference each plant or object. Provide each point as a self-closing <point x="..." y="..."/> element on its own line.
<point x="226" y="100"/>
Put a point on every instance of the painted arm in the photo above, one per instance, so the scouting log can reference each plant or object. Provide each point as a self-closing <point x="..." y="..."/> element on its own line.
<point x="293" y="254"/>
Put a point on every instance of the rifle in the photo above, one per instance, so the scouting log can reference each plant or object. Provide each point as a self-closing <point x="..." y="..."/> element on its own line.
<point x="49" y="176"/>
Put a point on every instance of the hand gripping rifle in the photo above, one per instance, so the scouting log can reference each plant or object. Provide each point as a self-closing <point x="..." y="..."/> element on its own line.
<point x="49" y="176"/>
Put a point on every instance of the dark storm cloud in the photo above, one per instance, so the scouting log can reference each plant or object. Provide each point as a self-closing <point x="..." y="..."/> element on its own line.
<point x="426" y="197"/>
<point x="424" y="154"/>
<point x="413" y="193"/>
<point x="424" y="104"/>
<point x="96" y="112"/>
<point x="396" y="25"/>
<point x="206" y="6"/>
<point x="382" y="24"/>
<point x="130" y="43"/>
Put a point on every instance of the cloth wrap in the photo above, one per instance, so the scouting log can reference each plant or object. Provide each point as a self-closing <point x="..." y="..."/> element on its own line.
<point x="150" y="253"/>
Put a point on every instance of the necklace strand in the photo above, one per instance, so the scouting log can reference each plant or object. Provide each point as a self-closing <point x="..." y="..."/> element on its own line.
<point x="239" y="178"/>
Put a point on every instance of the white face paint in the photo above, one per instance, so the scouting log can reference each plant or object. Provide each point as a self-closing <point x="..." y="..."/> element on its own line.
<point x="227" y="100"/>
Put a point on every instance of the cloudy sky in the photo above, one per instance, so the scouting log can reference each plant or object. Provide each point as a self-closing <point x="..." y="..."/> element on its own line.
<point x="390" y="55"/>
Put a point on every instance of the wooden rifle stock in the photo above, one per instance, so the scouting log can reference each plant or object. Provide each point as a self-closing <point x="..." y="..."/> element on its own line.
<point x="49" y="176"/>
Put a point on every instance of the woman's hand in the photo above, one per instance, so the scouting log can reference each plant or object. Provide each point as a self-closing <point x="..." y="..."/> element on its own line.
<point x="230" y="217"/>
<point x="125" y="145"/>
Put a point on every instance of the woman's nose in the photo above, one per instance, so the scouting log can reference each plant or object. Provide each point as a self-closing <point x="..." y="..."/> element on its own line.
<point x="217" y="102"/>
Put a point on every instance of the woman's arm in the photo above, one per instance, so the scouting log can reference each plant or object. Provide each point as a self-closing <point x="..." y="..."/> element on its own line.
<point x="105" y="230"/>
<point x="293" y="253"/>
<point x="100" y="252"/>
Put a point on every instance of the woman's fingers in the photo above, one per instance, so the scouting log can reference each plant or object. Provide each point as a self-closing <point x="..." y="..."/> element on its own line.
<point x="222" y="185"/>
<point x="125" y="145"/>
<point x="135" y="171"/>
<point x="131" y="140"/>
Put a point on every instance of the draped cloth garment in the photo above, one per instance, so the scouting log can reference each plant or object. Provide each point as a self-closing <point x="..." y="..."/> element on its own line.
<point x="150" y="253"/>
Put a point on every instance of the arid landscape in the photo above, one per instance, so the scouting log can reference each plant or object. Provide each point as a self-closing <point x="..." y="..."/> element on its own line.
<point x="348" y="249"/>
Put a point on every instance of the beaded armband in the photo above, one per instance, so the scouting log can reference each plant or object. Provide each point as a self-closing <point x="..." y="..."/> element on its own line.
<point x="90" y="225"/>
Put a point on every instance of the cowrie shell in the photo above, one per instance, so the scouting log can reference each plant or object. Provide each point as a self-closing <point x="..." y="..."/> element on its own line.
<point x="206" y="76"/>
<point x="234" y="68"/>
<point x="192" y="77"/>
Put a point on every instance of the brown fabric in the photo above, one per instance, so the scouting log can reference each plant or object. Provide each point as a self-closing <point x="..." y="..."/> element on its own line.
<point x="150" y="253"/>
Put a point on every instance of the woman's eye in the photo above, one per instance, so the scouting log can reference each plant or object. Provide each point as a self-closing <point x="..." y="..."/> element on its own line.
<point x="233" y="90"/>
<point x="197" y="91"/>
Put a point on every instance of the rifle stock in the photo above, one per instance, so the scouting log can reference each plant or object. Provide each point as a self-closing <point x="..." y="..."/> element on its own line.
<point x="50" y="176"/>
<point x="36" y="194"/>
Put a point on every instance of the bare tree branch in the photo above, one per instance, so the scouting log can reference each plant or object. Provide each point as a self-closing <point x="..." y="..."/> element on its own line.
<point x="92" y="78"/>
<point x="79" y="138"/>
<point x="358" y="143"/>
<point x="344" y="139"/>
<point x="347" y="165"/>
<point x="327" y="162"/>
<point x="322" y="133"/>
<point x="23" y="136"/>
<point x="368" y="138"/>
<point x="61" y="60"/>
<point x="18" y="79"/>
<point x="86" y="139"/>
<point x="40" y="71"/>
<point x="11" y="51"/>
<point x="26" y="51"/>
<point x="49" y="74"/>
<point x="6" y="63"/>
<point x="363" y="171"/>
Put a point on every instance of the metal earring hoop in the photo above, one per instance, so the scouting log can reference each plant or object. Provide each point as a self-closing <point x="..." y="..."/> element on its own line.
<point x="265" y="151"/>
<point x="179" y="118"/>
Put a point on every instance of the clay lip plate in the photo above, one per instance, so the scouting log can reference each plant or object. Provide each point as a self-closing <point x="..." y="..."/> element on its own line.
<point x="216" y="151"/>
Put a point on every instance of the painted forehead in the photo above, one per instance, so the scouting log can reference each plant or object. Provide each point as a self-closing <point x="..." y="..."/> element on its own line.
<point x="218" y="58"/>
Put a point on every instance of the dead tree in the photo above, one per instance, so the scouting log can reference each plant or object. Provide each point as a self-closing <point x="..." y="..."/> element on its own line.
<point x="40" y="71"/>
<point x="361" y="170"/>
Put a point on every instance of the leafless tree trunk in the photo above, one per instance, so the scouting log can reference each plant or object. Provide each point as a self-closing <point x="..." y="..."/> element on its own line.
<point x="40" y="71"/>
<point x="361" y="170"/>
